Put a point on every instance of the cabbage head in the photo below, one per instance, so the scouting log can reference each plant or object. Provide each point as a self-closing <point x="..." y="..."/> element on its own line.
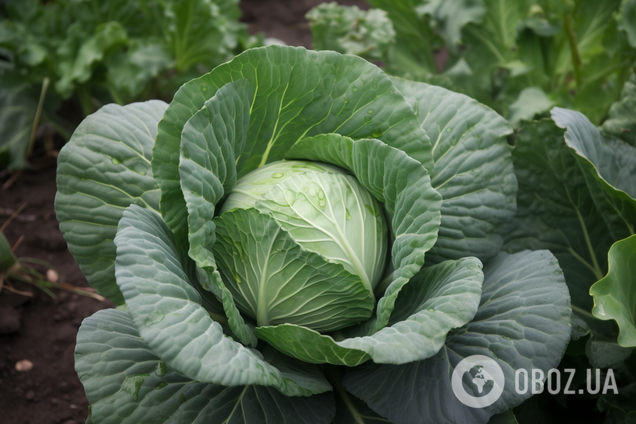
<point x="298" y="237"/>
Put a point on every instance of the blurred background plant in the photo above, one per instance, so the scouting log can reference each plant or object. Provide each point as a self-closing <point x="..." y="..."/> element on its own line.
<point x="519" y="57"/>
<point x="82" y="54"/>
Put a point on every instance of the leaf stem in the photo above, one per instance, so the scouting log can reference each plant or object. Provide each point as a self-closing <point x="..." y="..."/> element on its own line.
<point x="38" y="114"/>
<point x="582" y="311"/>
<point x="574" y="49"/>
<point x="332" y="372"/>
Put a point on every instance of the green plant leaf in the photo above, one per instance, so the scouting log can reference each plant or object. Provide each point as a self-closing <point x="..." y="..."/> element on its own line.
<point x="449" y="17"/>
<point x="131" y="71"/>
<point x="350" y="409"/>
<point x="76" y="66"/>
<point x="621" y="122"/>
<point x="399" y="182"/>
<point x="6" y="254"/>
<point x="557" y="212"/>
<point x="127" y="383"/>
<point x="620" y="407"/>
<point x="167" y="310"/>
<point x="615" y="294"/>
<point x="286" y="283"/>
<point x="472" y="170"/>
<point x="523" y="322"/>
<point x="609" y="166"/>
<point x="297" y="94"/>
<point x="104" y="168"/>
<point x="17" y="112"/>
<point x="347" y="29"/>
<point x="438" y="299"/>
<point x="196" y="26"/>
<point x="604" y="354"/>
<point x="412" y="57"/>
<point x="627" y="20"/>
<point x="532" y="101"/>
<point x="507" y="417"/>
<point x="492" y="45"/>
<point x="211" y="141"/>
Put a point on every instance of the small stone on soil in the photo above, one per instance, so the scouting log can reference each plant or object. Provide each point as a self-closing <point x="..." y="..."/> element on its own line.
<point x="24" y="365"/>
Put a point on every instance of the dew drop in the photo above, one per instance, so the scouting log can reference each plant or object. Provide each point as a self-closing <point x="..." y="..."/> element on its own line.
<point x="277" y="175"/>
<point x="322" y="203"/>
<point x="348" y="215"/>
<point x="155" y="317"/>
<point x="448" y="130"/>
<point x="370" y="111"/>
<point x="116" y="161"/>
<point x="376" y="133"/>
<point x="132" y="384"/>
<point x="354" y="89"/>
<point x="321" y="194"/>
<point x="374" y="84"/>
<point x="205" y="88"/>
<point x="291" y="196"/>
<point x="312" y="191"/>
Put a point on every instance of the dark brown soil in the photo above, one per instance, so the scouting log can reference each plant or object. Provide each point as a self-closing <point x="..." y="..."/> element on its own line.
<point x="51" y="391"/>
<point x="43" y="330"/>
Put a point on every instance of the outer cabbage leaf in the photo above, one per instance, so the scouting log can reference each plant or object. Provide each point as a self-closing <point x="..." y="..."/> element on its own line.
<point x="104" y="168"/>
<point x="557" y="212"/>
<point x="615" y="294"/>
<point x="472" y="170"/>
<point x="167" y="310"/>
<point x="297" y="94"/>
<point x="438" y="299"/>
<point x="523" y="322"/>
<point x="211" y="141"/>
<point x="127" y="383"/>
<point x="609" y="166"/>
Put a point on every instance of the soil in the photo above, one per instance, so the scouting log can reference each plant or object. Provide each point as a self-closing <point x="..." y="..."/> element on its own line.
<point x="41" y="329"/>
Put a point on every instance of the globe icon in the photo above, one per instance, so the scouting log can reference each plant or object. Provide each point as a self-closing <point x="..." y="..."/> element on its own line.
<point x="478" y="381"/>
<point x="479" y="378"/>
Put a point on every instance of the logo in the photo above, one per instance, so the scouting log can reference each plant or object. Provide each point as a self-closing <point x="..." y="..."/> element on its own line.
<point x="484" y="377"/>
